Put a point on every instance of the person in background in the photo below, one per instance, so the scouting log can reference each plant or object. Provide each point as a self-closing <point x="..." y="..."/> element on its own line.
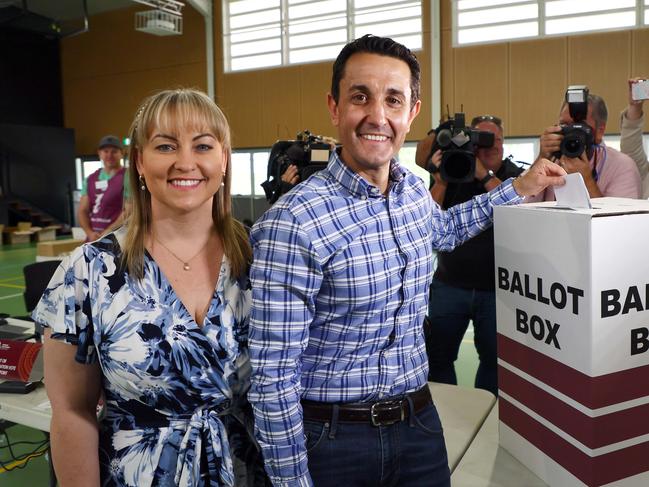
<point x="631" y="124"/>
<point x="606" y="171"/>
<point x="340" y="276"/>
<point x="463" y="288"/>
<point x="104" y="192"/>
<point x="154" y="317"/>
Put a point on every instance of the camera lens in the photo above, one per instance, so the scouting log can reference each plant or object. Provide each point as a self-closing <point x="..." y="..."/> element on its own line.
<point x="573" y="145"/>
<point x="444" y="137"/>
<point x="458" y="166"/>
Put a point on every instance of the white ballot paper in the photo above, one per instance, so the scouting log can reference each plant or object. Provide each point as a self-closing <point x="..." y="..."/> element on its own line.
<point x="574" y="193"/>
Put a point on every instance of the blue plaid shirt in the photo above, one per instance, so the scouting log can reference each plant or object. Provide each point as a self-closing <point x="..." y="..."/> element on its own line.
<point x="340" y="285"/>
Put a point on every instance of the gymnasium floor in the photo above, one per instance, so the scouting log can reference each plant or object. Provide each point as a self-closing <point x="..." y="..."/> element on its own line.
<point x="34" y="472"/>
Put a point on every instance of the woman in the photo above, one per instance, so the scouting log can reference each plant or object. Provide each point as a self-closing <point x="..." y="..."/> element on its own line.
<point x="157" y="314"/>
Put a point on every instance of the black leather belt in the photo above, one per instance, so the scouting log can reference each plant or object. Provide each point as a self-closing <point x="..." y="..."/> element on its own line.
<point x="380" y="413"/>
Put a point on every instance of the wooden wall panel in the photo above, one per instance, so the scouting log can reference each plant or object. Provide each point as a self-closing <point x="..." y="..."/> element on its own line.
<point x="106" y="104"/>
<point x="448" y="72"/>
<point x="481" y="80"/>
<point x="537" y="80"/>
<point x="315" y="83"/>
<point x="280" y="108"/>
<point x="108" y="70"/>
<point x="603" y="62"/>
<point x="446" y="18"/>
<point x="242" y="110"/>
<point x="112" y="45"/>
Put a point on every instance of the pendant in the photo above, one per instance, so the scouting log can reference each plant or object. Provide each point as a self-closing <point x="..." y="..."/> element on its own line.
<point x="186" y="266"/>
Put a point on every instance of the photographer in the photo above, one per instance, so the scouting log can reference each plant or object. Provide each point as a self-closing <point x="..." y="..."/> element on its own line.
<point x="631" y="123"/>
<point x="292" y="161"/>
<point x="463" y="284"/>
<point x="606" y="171"/>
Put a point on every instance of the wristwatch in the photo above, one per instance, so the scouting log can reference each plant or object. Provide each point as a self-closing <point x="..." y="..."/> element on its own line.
<point x="490" y="175"/>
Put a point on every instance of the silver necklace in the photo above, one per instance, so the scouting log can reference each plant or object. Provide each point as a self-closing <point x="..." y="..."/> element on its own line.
<point x="183" y="262"/>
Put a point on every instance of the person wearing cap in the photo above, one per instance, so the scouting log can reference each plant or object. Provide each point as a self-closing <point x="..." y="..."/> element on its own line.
<point x="104" y="191"/>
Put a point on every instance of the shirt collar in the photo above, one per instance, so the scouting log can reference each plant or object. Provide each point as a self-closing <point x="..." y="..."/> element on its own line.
<point x="357" y="185"/>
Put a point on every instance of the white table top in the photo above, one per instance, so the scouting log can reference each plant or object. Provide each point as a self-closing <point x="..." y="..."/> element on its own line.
<point x="486" y="464"/>
<point x="462" y="411"/>
<point x="31" y="409"/>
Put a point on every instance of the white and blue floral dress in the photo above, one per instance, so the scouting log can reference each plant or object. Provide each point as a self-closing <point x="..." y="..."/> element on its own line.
<point x="170" y="386"/>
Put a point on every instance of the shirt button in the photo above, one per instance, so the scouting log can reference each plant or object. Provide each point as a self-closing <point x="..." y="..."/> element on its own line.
<point x="363" y="197"/>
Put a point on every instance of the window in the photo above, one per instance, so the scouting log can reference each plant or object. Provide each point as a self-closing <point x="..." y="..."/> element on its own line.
<point x="521" y="149"/>
<point x="482" y="21"/>
<point x="248" y="172"/>
<point x="284" y="32"/>
<point x="407" y="160"/>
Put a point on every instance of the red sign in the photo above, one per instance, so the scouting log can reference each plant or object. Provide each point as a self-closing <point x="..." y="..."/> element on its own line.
<point x="17" y="359"/>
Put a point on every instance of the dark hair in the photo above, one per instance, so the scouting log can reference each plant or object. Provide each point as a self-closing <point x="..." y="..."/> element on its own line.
<point x="383" y="46"/>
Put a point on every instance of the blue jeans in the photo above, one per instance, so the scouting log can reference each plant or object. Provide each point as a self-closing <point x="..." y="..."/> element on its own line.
<point x="410" y="453"/>
<point x="449" y="310"/>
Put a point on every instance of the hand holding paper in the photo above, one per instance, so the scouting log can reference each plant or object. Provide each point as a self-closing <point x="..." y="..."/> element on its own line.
<point x="539" y="176"/>
<point x="574" y="193"/>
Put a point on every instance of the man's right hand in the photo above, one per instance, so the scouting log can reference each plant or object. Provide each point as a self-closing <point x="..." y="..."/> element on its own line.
<point x="539" y="176"/>
<point x="550" y="141"/>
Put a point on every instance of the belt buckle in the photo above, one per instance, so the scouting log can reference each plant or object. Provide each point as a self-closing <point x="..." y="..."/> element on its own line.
<point x="377" y="407"/>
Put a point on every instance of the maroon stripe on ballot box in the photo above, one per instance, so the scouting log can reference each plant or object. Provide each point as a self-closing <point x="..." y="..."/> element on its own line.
<point x="592" y="432"/>
<point x="593" y="471"/>
<point x="592" y="392"/>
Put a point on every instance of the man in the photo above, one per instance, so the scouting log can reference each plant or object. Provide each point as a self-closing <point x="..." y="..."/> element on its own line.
<point x="606" y="171"/>
<point x="631" y="123"/>
<point x="104" y="191"/>
<point x="463" y="286"/>
<point x="340" y="277"/>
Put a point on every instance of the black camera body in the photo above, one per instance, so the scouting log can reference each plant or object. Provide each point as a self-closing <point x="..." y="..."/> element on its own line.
<point x="458" y="144"/>
<point x="310" y="153"/>
<point x="577" y="136"/>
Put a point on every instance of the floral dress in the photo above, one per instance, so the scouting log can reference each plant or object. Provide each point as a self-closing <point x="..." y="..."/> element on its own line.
<point x="172" y="388"/>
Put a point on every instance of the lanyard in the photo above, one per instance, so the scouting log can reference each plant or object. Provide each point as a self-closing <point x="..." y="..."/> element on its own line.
<point x="599" y="148"/>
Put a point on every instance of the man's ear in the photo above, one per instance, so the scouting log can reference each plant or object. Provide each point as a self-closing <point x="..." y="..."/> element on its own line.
<point x="414" y="111"/>
<point x="333" y="109"/>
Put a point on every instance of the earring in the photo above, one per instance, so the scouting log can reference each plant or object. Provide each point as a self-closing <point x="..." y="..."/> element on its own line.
<point x="142" y="185"/>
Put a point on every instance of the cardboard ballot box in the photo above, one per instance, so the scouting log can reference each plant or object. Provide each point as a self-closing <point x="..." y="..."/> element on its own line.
<point x="56" y="248"/>
<point x="572" y="292"/>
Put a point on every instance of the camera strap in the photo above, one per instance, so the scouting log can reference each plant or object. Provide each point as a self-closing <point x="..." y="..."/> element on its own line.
<point x="599" y="149"/>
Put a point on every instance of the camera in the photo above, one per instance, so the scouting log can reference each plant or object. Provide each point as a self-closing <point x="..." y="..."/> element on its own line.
<point x="310" y="153"/>
<point x="640" y="90"/>
<point x="458" y="144"/>
<point x="577" y="136"/>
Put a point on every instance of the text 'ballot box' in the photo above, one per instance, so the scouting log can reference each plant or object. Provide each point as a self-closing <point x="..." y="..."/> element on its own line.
<point x="572" y="291"/>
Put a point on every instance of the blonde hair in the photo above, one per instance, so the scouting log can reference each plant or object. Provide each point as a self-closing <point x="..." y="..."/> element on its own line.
<point x="167" y="110"/>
